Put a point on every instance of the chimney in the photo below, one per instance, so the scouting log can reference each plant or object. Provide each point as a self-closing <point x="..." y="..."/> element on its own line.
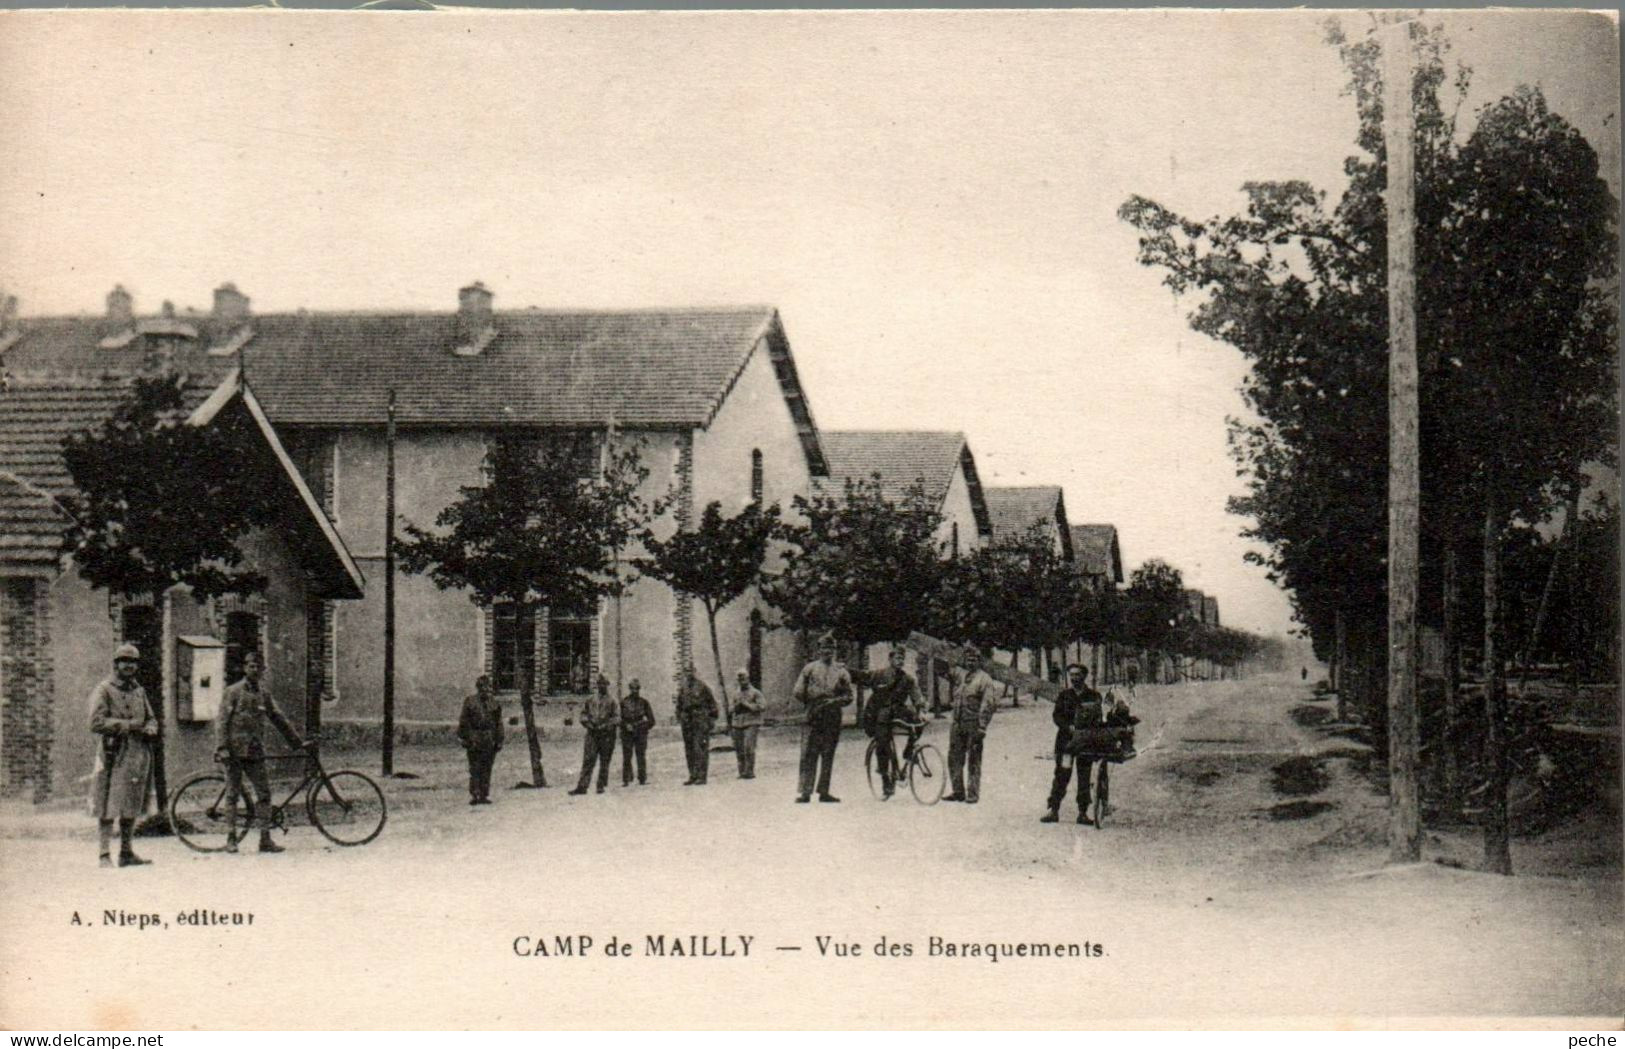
<point x="230" y="308"/>
<point x="8" y="314"/>
<point x="120" y="309"/>
<point x="474" y="327"/>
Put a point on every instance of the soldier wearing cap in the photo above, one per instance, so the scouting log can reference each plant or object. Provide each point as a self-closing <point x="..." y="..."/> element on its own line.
<point x="747" y="723"/>
<point x="895" y="699"/>
<point x="974" y="701"/>
<point x="823" y="688"/>
<point x="697" y="715"/>
<point x="240" y="745"/>
<point x="1068" y="704"/>
<point x="600" y="717"/>
<point x="637" y="718"/>
<point x="122" y="716"/>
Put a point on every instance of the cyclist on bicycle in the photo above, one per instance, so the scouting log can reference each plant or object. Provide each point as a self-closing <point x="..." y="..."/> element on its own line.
<point x="240" y="745"/>
<point x="894" y="701"/>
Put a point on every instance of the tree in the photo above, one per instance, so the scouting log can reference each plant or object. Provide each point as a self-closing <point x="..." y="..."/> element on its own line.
<point x="1154" y="604"/>
<point x="543" y="530"/>
<point x="159" y="503"/>
<point x="1514" y="250"/>
<point x="860" y="565"/>
<point x="714" y="564"/>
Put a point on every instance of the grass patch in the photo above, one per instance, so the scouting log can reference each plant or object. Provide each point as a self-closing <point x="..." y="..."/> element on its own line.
<point x="1298" y="777"/>
<point x="1297" y="810"/>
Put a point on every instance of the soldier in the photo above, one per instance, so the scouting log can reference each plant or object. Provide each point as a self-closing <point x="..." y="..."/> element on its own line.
<point x="601" y="716"/>
<point x="896" y="697"/>
<point x="823" y="688"/>
<point x="637" y="718"/>
<point x="240" y="744"/>
<point x="974" y="701"/>
<point x="697" y="714"/>
<point x="747" y="722"/>
<point x="480" y="731"/>
<point x="123" y="717"/>
<point x="1065" y="714"/>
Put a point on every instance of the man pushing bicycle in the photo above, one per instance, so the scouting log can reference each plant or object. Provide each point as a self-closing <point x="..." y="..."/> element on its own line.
<point x="894" y="702"/>
<point x="240" y="745"/>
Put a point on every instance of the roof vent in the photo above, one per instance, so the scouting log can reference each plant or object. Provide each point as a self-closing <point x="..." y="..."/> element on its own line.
<point x="475" y="329"/>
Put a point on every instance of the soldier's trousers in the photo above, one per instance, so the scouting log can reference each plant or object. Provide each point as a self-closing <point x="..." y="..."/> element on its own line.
<point x="965" y="748"/>
<point x="480" y="760"/>
<point x="697" y="750"/>
<point x="597" y="748"/>
<point x="634" y="744"/>
<point x="1063" y="776"/>
<point x="818" y="742"/>
<point x="745" y="749"/>
<point x="253" y="769"/>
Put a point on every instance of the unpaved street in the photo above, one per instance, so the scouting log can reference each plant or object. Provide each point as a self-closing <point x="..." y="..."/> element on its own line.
<point x="1207" y="909"/>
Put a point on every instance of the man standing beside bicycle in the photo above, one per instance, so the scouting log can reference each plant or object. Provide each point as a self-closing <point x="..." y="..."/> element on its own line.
<point x="974" y="701"/>
<point x="240" y="745"/>
<point x="895" y="697"/>
<point x="1076" y="693"/>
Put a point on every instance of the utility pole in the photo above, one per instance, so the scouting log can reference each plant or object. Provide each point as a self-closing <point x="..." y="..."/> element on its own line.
<point x="1404" y="475"/>
<point x="389" y="587"/>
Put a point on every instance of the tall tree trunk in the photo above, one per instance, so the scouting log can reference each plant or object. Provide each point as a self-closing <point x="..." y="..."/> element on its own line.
<point x="533" y="738"/>
<point x="716" y="658"/>
<point x="1497" y="840"/>
<point x="1450" y="760"/>
<point x="1340" y="664"/>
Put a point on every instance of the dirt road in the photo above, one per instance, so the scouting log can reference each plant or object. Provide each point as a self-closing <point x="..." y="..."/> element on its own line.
<point x="1239" y="878"/>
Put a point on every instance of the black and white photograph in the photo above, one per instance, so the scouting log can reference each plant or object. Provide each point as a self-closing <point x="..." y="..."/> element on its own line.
<point x="1015" y="519"/>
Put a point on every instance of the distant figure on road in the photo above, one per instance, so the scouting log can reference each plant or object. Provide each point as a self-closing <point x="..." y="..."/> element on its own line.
<point x="122" y="717"/>
<point x="479" y="729"/>
<point x="601" y="716"/>
<point x="1132" y="678"/>
<point x="896" y="697"/>
<point x="747" y="722"/>
<point x="823" y="688"/>
<point x="974" y="701"/>
<point x="1076" y="693"/>
<point x="637" y="718"/>
<point x="240" y="743"/>
<point x="1304" y="676"/>
<point x="697" y="714"/>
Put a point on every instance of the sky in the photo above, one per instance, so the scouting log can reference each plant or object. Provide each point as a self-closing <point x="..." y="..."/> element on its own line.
<point x="928" y="198"/>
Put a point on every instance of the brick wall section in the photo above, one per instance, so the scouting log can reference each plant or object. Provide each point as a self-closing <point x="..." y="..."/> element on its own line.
<point x="29" y="696"/>
<point x="682" y="606"/>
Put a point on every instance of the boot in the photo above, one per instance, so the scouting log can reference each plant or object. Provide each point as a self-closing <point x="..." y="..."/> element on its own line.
<point x="231" y="841"/>
<point x="1052" y="816"/>
<point x="267" y="845"/>
<point x="128" y="858"/>
<point x="104" y="860"/>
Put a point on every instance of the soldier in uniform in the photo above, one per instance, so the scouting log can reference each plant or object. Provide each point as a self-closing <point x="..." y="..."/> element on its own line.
<point x="747" y="722"/>
<point x="122" y="717"/>
<point x="601" y="716"/>
<point x="697" y="714"/>
<point x="895" y="697"/>
<point x="240" y="744"/>
<point x="823" y="688"/>
<point x="1065" y="715"/>
<point x="637" y="718"/>
<point x="479" y="729"/>
<point x="974" y="701"/>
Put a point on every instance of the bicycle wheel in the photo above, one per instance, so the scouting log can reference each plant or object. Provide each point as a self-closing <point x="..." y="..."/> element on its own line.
<point x="927" y="774"/>
<point x="198" y="814"/>
<point x="348" y="808"/>
<point x="871" y="770"/>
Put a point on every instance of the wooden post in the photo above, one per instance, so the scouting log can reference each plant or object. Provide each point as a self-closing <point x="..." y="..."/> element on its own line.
<point x="389" y="588"/>
<point x="1497" y="841"/>
<point x="1452" y="672"/>
<point x="1404" y="477"/>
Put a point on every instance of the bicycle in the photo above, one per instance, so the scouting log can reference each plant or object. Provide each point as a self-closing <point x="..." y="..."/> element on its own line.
<point x="1100" y="789"/>
<point x="920" y="763"/>
<point x="346" y="806"/>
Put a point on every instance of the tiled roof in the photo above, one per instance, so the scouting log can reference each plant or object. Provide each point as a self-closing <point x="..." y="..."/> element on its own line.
<point x="31" y="525"/>
<point x="643" y="367"/>
<point x="1094" y="546"/>
<point x="35" y="415"/>
<point x="904" y="458"/>
<point x="1016" y="509"/>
